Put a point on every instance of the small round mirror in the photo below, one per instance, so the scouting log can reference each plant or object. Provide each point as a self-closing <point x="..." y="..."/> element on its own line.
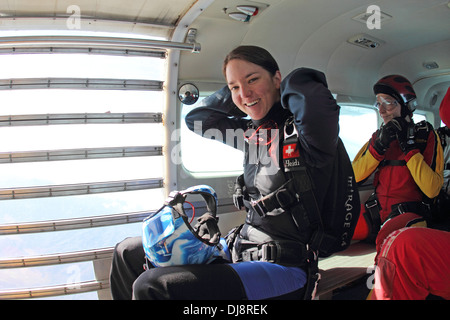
<point x="188" y="94"/>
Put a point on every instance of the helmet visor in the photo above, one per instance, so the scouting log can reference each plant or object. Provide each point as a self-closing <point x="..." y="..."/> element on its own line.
<point x="158" y="227"/>
<point x="161" y="225"/>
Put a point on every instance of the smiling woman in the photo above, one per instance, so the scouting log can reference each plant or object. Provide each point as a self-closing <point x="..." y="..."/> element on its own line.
<point x="245" y="72"/>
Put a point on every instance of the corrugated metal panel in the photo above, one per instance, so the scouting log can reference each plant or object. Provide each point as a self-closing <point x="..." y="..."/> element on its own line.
<point x="137" y="16"/>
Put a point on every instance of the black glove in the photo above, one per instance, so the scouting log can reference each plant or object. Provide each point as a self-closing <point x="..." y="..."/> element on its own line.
<point x="388" y="133"/>
<point x="207" y="228"/>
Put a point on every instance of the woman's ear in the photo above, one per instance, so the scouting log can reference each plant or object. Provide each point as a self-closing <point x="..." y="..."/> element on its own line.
<point x="277" y="79"/>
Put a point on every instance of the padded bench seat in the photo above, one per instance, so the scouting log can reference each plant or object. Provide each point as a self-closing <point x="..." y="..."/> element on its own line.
<point x="344" y="268"/>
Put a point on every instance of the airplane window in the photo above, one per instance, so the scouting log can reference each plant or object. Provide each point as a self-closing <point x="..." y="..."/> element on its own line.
<point x="18" y="139"/>
<point x="419" y="117"/>
<point x="200" y="155"/>
<point x="356" y="126"/>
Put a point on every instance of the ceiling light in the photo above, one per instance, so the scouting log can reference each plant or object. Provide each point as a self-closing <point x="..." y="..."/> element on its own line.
<point x="365" y="41"/>
<point x="248" y="10"/>
<point x="430" y="65"/>
<point x="240" y="16"/>
<point x="245" y="13"/>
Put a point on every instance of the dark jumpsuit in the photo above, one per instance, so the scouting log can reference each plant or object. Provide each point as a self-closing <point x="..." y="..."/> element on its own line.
<point x="304" y="94"/>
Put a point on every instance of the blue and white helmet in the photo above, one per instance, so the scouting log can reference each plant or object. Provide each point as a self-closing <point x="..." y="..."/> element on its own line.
<point x="169" y="239"/>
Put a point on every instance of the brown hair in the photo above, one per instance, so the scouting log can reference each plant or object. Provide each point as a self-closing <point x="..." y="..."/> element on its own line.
<point x="253" y="54"/>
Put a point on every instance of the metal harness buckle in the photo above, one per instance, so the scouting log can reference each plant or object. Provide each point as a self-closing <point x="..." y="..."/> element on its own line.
<point x="248" y="255"/>
<point x="371" y="204"/>
<point x="401" y="209"/>
<point x="269" y="252"/>
<point x="258" y="208"/>
<point x="238" y="201"/>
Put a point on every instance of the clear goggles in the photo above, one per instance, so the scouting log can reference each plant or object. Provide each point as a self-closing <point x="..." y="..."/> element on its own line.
<point x="387" y="104"/>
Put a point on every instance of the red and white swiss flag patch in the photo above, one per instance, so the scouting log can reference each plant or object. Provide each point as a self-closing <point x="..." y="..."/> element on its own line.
<point x="291" y="151"/>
